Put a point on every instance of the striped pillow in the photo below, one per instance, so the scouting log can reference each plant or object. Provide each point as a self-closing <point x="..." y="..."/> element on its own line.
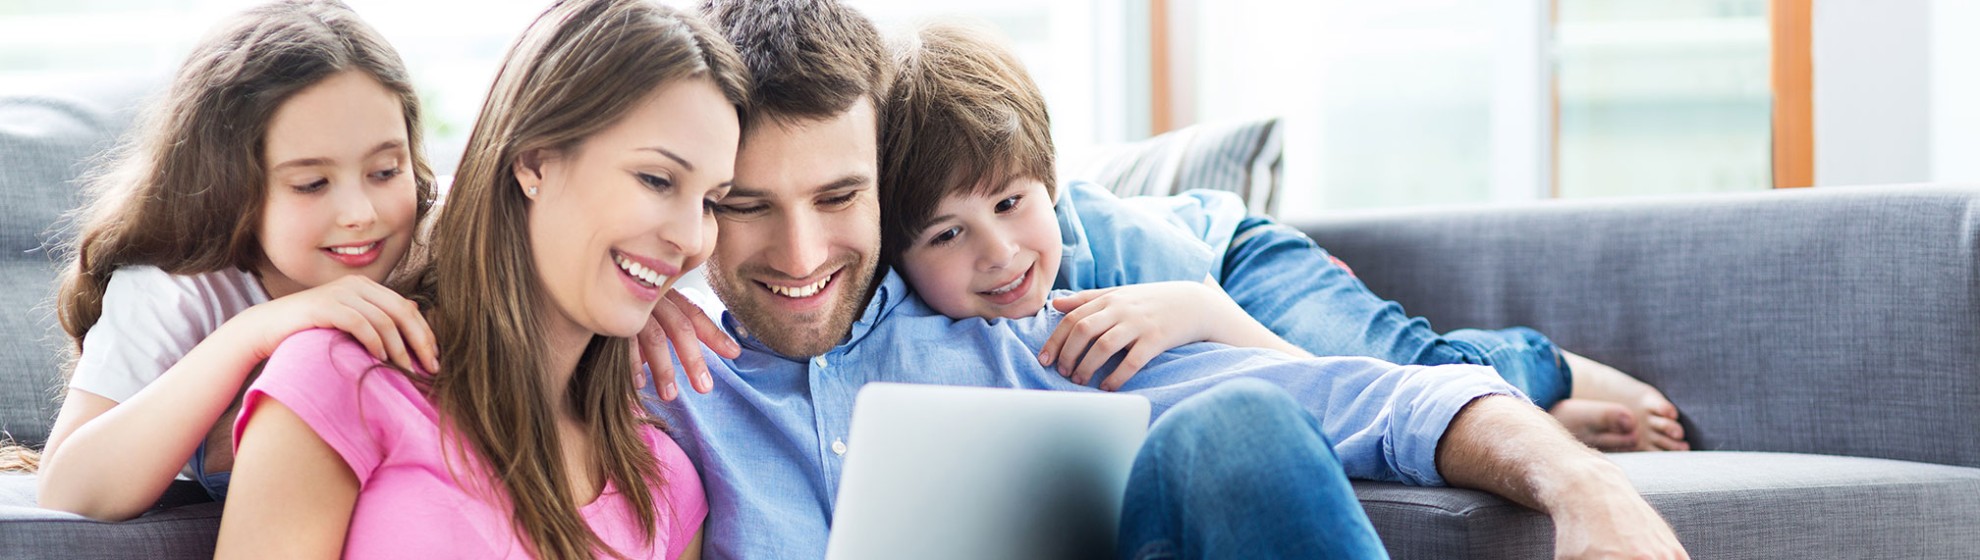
<point x="1242" y="157"/>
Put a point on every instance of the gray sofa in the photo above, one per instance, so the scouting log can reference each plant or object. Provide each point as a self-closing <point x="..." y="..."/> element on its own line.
<point x="1828" y="336"/>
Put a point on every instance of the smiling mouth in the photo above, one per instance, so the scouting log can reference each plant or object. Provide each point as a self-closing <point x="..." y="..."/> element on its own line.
<point x="1006" y="288"/>
<point x="355" y="250"/>
<point x="639" y="272"/>
<point x="801" y="292"/>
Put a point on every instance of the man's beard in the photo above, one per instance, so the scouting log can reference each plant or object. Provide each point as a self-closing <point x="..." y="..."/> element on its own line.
<point x="803" y="335"/>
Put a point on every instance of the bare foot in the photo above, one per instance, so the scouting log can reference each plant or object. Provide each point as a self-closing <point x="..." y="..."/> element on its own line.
<point x="1660" y="422"/>
<point x="1656" y="418"/>
<point x="1602" y="425"/>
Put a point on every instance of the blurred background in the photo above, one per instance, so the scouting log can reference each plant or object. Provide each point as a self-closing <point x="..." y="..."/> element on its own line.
<point x="1386" y="104"/>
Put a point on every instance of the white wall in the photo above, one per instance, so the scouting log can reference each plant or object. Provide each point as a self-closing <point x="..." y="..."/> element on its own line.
<point x="1872" y="91"/>
<point x="1955" y="91"/>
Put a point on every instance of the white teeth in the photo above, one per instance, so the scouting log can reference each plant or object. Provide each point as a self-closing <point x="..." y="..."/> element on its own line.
<point x="1011" y="286"/>
<point x="800" y="291"/>
<point x="353" y="250"/>
<point x="646" y="276"/>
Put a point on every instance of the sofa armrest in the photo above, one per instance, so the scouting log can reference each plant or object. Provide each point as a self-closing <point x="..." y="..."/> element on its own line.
<point x="1834" y="320"/>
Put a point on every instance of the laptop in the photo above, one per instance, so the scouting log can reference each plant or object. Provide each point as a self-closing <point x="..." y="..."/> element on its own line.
<point x="961" y="473"/>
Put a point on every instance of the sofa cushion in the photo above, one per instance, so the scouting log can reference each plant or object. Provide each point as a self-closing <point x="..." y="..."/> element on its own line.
<point x="173" y="530"/>
<point x="45" y="143"/>
<point x="1241" y="157"/>
<point x="1837" y="320"/>
<point x="1721" y="504"/>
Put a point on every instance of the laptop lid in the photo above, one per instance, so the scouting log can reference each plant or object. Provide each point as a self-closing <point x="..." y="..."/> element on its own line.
<point x="935" y="471"/>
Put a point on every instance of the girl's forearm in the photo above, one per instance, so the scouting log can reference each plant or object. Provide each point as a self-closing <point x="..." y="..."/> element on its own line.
<point x="115" y="465"/>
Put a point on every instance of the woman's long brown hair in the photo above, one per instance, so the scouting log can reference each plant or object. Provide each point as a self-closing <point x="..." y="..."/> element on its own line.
<point x="183" y="191"/>
<point x="578" y="69"/>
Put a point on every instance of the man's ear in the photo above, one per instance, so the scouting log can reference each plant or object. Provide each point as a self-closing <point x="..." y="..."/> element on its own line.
<point x="529" y="171"/>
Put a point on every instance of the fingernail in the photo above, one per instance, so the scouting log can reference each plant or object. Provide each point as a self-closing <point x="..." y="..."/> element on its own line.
<point x="1045" y="358"/>
<point x="707" y="383"/>
<point x="672" y="392"/>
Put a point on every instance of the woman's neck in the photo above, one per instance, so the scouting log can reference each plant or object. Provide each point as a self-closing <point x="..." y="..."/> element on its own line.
<point x="564" y="343"/>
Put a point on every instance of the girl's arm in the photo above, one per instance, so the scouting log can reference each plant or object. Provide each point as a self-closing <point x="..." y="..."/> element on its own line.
<point x="111" y="461"/>
<point x="1145" y="320"/>
<point x="291" y="495"/>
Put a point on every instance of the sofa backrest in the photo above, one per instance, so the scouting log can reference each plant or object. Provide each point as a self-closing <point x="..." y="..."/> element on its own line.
<point x="1841" y="320"/>
<point x="45" y="143"/>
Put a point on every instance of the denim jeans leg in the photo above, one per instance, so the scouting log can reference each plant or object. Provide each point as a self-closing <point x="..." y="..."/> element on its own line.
<point x="1241" y="471"/>
<point x="1291" y="285"/>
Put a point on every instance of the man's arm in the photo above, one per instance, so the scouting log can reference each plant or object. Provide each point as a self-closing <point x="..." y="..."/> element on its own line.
<point x="1507" y="447"/>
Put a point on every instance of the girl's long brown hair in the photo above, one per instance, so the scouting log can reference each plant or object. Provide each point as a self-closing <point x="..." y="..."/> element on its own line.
<point x="183" y="191"/>
<point x="579" y="68"/>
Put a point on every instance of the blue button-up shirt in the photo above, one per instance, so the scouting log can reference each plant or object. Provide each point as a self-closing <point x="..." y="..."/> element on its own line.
<point x="1111" y="241"/>
<point x="770" y="439"/>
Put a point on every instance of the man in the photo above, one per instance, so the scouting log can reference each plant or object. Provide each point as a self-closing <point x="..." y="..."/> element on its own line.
<point x="797" y="267"/>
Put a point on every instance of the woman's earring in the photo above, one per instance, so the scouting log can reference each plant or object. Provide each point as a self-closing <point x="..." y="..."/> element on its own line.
<point x="532" y="192"/>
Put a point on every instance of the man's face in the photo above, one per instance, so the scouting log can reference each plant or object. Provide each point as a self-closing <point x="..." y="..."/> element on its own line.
<point x="800" y="231"/>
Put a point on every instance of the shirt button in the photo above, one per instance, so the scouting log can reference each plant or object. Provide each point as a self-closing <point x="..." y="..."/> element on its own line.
<point x="838" y="446"/>
<point x="818" y="361"/>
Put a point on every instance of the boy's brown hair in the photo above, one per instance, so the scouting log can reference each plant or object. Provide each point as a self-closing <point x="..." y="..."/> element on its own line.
<point x="807" y="59"/>
<point x="964" y="118"/>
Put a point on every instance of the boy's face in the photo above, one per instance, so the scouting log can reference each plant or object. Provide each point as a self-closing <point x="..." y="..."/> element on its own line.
<point x="987" y="256"/>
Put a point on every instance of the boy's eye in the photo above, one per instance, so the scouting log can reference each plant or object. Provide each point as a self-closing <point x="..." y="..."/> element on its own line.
<point x="312" y="186"/>
<point x="1008" y="204"/>
<point x="945" y="236"/>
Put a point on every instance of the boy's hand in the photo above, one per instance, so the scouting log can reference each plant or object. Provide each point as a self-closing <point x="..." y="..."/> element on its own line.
<point x="1143" y="320"/>
<point x="679" y="321"/>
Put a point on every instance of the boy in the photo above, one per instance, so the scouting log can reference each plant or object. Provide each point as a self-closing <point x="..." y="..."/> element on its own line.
<point x="971" y="218"/>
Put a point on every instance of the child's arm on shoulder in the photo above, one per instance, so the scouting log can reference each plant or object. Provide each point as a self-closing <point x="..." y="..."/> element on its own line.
<point x="111" y="461"/>
<point x="291" y="496"/>
<point x="1145" y="320"/>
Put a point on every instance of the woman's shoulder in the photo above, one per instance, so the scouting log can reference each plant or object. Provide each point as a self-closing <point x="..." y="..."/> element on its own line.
<point x="680" y="491"/>
<point x="319" y="361"/>
<point x="673" y="461"/>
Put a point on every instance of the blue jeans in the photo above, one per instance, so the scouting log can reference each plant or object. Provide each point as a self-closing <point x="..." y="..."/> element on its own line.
<point x="1288" y="282"/>
<point x="1241" y="471"/>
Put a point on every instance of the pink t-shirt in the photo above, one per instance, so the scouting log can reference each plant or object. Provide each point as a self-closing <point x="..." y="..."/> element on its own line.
<point x="410" y="504"/>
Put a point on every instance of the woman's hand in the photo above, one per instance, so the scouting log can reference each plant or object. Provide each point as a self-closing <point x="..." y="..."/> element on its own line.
<point x="678" y="321"/>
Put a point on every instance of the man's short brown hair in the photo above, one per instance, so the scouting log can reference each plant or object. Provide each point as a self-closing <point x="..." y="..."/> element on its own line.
<point x="964" y="117"/>
<point x="807" y="59"/>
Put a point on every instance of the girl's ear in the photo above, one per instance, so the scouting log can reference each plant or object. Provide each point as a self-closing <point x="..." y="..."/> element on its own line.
<point x="529" y="171"/>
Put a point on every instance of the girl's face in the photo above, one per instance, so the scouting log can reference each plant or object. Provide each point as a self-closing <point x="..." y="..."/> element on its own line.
<point x="341" y="198"/>
<point x="987" y="256"/>
<point x="615" y="221"/>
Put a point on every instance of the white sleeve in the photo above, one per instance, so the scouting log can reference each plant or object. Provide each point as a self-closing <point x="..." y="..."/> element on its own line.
<point x="150" y="320"/>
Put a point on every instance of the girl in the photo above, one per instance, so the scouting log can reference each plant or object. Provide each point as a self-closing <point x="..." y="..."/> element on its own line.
<point x="271" y="190"/>
<point x="609" y="133"/>
<point x="973" y="224"/>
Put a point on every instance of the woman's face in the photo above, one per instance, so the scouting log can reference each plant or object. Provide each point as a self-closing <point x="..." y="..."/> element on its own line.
<point x="617" y="219"/>
<point x="341" y="198"/>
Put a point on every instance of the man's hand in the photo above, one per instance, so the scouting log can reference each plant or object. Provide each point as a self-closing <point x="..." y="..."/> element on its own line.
<point x="680" y="322"/>
<point x="1505" y="446"/>
<point x="1607" y="519"/>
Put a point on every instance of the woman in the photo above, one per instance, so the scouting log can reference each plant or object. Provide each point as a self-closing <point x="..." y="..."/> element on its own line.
<point x="609" y="132"/>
